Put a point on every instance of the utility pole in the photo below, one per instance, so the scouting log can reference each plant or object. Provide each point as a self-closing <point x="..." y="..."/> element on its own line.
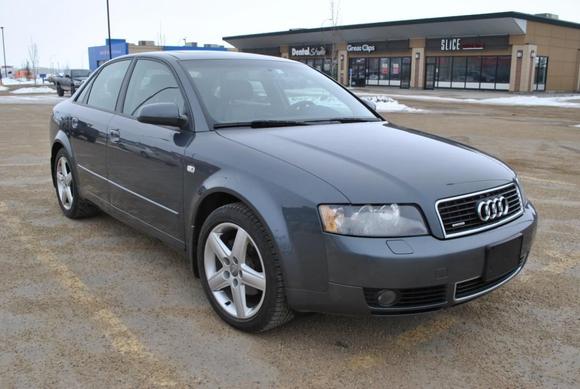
<point x="4" y="52"/>
<point x="109" y="29"/>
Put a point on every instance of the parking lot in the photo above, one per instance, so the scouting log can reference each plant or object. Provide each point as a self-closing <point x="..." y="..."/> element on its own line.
<point x="95" y="303"/>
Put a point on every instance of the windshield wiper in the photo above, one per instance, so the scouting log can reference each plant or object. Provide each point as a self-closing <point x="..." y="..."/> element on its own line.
<point x="262" y="124"/>
<point x="346" y="120"/>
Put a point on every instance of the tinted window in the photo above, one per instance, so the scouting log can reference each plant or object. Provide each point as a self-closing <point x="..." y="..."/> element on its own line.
<point x="82" y="98"/>
<point x="151" y="82"/>
<point x="106" y="86"/>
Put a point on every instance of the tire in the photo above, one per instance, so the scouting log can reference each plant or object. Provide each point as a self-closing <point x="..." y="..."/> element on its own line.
<point x="59" y="90"/>
<point x="72" y="90"/>
<point x="258" y="266"/>
<point x="67" y="193"/>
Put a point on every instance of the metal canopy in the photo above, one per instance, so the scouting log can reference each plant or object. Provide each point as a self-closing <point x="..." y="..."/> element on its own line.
<point x="428" y="28"/>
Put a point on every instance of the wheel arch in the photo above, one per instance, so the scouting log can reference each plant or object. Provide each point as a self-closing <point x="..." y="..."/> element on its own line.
<point x="259" y="202"/>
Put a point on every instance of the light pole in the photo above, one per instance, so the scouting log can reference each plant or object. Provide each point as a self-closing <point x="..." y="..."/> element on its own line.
<point x="109" y="30"/>
<point x="4" y="52"/>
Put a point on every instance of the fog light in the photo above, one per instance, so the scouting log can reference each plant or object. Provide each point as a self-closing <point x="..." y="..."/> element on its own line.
<point x="387" y="297"/>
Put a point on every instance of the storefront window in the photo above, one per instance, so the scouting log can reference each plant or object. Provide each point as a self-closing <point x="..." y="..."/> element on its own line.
<point x="395" y="71"/>
<point x="444" y="72"/>
<point x="458" y="73"/>
<point x="502" y="78"/>
<point x="384" y="71"/>
<point x="473" y="72"/>
<point x="488" y="69"/>
<point x="373" y="71"/>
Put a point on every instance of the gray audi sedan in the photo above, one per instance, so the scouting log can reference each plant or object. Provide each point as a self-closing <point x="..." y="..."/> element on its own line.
<point x="286" y="192"/>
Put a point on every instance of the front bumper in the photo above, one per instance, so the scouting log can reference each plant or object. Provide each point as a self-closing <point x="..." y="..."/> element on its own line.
<point x="427" y="273"/>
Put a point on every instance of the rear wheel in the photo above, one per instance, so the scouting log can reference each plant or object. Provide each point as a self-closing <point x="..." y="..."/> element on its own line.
<point x="240" y="270"/>
<point x="69" y="199"/>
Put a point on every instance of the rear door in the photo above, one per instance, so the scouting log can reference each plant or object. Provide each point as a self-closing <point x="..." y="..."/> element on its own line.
<point x="145" y="161"/>
<point x="90" y="119"/>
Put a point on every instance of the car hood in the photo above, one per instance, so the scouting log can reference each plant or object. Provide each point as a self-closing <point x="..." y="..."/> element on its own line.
<point x="378" y="162"/>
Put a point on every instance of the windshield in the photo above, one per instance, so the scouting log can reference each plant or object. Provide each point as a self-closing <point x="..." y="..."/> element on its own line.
<point x="80" y="73"/>
<point x="245" y="91"/>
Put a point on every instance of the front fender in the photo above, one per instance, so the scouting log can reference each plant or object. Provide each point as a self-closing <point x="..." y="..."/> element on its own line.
<point x="291" y="219"/>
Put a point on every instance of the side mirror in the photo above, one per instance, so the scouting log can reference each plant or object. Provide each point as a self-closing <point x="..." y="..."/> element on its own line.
<point x="162" y="114"/>
<point x="370" y="104"/>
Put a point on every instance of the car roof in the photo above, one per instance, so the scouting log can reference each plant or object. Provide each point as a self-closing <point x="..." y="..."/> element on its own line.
<point x="206" y="54"/>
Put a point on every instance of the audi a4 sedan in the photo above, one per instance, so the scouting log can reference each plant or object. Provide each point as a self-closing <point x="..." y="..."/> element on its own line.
<point x="285" y="192"/>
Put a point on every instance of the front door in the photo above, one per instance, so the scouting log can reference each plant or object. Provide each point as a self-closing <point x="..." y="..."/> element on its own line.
<point x="358" y="72"/>
<point x="145" y="161"/>
<point x="405" y="73"/>
<point x="430" y="76"/>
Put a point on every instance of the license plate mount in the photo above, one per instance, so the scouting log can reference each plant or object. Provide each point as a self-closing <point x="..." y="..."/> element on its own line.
<point x="502" y="258"/>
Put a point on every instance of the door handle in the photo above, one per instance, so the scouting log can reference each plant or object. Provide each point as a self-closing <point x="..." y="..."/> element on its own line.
<point x="114" y="136"/>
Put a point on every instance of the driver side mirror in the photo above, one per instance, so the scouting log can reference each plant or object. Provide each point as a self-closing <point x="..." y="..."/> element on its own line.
<point x="370" y="104"/>
<point x="162" y="114"/>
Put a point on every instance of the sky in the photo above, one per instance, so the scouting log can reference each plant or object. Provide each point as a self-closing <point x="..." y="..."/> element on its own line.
<point x="64" y="29"/>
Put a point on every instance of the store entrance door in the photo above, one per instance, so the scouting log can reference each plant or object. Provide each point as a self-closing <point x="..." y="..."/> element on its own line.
<point x="358" y="72"/>
<point x="406" y="73"/>
<point x="430" y="76"/>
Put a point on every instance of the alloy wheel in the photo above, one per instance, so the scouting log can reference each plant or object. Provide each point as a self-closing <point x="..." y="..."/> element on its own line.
<point x="64" y="182"/>
<point x="234" y="270"/>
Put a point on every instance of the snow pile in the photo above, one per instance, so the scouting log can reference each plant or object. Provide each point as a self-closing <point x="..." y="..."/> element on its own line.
<point x="569" y="101"/>
<point x="535" y="101"/>
<point x="3" y="88"/>
<point x="35" y="99"/>
<point x="388" y="104"/>
<point x="21" y="81"/>
<point x="39" y="89"/>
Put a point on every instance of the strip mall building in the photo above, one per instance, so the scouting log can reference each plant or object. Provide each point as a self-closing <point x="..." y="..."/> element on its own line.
<point x="500" y="51"/>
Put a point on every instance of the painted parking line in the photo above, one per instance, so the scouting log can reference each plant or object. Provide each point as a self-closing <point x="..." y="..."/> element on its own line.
<point x="153" y="372"/>
<point x="425" y="331"/>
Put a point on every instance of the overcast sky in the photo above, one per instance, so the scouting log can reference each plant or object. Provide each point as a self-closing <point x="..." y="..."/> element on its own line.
<point x="63" y="29"/>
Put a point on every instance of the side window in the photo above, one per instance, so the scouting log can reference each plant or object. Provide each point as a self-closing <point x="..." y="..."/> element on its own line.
<point x="105" y="88"/>
<point x="151" y="82"/>
<point x="82" y="98"/>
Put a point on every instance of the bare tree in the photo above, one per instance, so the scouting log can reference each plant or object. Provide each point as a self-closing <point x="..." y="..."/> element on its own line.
<point x="33" y="59"/>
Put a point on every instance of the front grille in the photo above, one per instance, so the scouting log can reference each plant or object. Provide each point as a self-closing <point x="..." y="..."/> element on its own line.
<point x="409" y="298"/>
<point x="478" y="285"/>
<point x="458" y="215"/>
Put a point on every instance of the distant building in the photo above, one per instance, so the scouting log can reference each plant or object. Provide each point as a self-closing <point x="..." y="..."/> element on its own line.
<point x="499" y="51"/>
<point x="6" y="71"/>
<point x="100" y="54"/>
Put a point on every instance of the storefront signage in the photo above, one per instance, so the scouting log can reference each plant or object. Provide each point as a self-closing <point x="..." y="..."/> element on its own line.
<point x="361" y="48"/>
<point x="308" y="51"/>
<point x="454" y="44"/>
<point x="451" y="44"/>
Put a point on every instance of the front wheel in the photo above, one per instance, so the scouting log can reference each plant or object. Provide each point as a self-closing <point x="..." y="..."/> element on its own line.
<point x="240" y="270"/>
<point x="59" y="90"/>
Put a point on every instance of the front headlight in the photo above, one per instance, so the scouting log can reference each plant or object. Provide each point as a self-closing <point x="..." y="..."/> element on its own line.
<point x="389" y="220"/>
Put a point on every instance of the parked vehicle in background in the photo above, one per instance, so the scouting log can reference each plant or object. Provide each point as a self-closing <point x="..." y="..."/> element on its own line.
<point x="70" y="80"/>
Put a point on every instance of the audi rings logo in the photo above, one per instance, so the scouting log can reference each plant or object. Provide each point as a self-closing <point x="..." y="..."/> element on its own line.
<point x="491" y="209"/>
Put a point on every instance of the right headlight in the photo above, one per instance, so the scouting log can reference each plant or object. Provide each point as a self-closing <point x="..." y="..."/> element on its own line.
<point x="389" y="220"/>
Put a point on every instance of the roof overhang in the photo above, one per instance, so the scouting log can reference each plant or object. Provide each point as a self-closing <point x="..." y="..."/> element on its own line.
<point x="425" y="28"/>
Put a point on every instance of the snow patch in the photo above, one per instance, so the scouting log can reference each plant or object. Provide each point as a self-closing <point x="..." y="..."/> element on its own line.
<point x="388" y="104"/>
<point x="569" y="101"/>
<point x="25" y="91"/>
<point x="577" y="126"/>
<point x="21" y="81"/>
<point x="38" y="99"/>
<point x="3" y="88"/>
